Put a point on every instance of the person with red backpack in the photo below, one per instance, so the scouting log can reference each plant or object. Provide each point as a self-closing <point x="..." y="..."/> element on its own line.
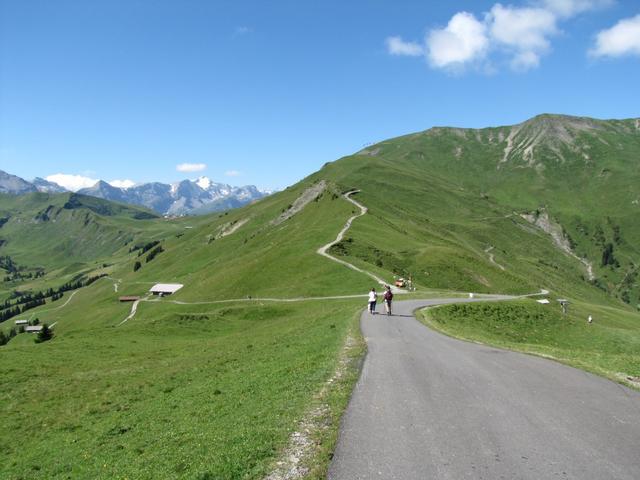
<point x="388" y="296"/>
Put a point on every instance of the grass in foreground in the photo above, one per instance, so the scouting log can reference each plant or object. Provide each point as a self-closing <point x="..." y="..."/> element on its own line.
<point x="609" y="347"/>
<point x="180" y="392"/>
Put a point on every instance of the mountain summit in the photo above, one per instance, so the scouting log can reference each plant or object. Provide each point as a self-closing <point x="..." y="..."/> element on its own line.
<point x="193" y="197"/>
<point x="188" y="197"/>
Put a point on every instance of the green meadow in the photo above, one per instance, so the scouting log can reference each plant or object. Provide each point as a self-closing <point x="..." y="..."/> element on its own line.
<point x="610" y="346"/>
<point x="177" y="392"/>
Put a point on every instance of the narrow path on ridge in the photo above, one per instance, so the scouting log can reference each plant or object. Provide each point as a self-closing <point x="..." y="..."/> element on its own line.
<point x="323" y="250"/>
<point x="430" y="406"/>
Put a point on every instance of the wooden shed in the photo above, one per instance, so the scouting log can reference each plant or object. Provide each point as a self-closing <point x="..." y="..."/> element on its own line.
<point x="129" y="298"/>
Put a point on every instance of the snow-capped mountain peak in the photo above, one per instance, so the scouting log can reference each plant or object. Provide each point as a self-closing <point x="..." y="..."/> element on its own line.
<point x="191" y="197"/>
<point x="203" y="182"/>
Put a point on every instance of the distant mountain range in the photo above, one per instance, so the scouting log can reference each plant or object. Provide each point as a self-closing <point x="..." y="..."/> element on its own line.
<point x="188" y="197"/>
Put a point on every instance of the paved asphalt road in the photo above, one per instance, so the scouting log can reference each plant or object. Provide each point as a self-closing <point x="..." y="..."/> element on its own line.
<point x="431" y="407"/>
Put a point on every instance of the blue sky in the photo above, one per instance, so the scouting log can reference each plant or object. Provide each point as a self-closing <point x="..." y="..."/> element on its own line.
<point x="266" y="92"/>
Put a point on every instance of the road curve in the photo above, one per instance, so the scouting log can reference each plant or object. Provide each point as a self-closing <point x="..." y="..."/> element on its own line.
<point x="431" y="407"/>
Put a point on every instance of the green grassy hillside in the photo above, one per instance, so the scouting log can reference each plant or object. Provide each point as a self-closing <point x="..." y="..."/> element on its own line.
<point x="210" y="382"/>
<point x="447" y="198"/>
<point x="44" y="230"/>
<point x="609" y="346"/>
<point x="47" y="240"/>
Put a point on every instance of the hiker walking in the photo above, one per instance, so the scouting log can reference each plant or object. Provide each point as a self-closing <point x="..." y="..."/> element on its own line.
<point x="388" y="296"/>
<point x="373" y="299"/>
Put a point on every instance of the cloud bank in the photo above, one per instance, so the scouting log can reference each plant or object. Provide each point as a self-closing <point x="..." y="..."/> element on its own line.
<point x="516" y="35"/>
<point x="77" y="182"/>
<point x="122" y="183"/>
<point x="72" y="182"/>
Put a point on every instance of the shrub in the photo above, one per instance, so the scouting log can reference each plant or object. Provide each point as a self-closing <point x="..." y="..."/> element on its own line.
<point x="44" y="335"/>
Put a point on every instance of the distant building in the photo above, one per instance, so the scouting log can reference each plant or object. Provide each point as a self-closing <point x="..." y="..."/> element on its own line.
<point x="22" y="322"/>
<point x="33" y="328"/>
<point x="163" y="289"/>
<point x="129" y="298"/>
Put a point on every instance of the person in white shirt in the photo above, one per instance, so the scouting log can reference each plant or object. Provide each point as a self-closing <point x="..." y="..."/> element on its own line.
<point x="373" y="299"/>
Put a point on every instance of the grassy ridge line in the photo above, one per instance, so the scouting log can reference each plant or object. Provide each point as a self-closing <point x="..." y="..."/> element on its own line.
<point x="609" y="347"/>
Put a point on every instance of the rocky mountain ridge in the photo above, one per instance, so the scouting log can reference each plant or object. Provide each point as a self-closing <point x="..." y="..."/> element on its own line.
<point x="187" y="197"/>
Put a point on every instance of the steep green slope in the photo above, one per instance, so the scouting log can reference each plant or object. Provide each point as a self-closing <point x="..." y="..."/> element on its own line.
<point x="465" y="190"/>
<point x="43" y="229"/>
<point x="47" y="240"/>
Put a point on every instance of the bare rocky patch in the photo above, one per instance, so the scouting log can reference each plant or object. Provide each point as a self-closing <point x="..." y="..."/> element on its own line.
<point x="551" y="132"/>
<point x="230" y="227"/>
<point x="308" y="196"/>
<point x="555" y="230"/>
<point x="369" y="152"/>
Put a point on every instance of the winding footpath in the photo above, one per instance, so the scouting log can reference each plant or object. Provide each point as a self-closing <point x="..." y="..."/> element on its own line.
<point x="323" y="250"/>
<point x="428" y="406"/>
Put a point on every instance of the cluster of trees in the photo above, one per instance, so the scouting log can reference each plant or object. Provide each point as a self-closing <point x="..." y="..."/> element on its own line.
<point x="153" y="253"/>
<point x="43" y="335"/>
<point x="24" y="298"/>
<point x="27" y="301"/>
<point x="607" y="256"/>
<point x="7" y="263"/>
<point x="144" y="248"/>
<point x="17" y="272"/>
<point x="19" y="275"/>
<point x="4" y="338"/>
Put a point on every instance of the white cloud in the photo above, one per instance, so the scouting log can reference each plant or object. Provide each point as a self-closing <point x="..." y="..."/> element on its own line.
<point x="621" y="39"/>
<point x="72" y="182"/>
<point x="397" y="46"/>
<point x="517" y="36"/>
<point x="462" y="41"/>
<point x="523" y="32"/>
<point x="570" y="8"/>
<point x="122" y="183"/>
<point x="522" y="28"/>
<point x="191" y="167"/>
<point x="232" y="173"/>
